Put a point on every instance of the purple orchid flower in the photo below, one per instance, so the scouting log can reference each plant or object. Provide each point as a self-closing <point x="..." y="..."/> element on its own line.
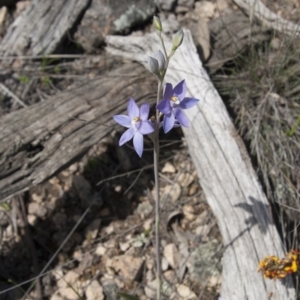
<point x="172" y="105"/>
<point x="137" y="124"/>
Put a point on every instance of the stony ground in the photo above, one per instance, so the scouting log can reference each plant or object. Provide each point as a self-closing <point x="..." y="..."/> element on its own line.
<point x="99" y="213"/>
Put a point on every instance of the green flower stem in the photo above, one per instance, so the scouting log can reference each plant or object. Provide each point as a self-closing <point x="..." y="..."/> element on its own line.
<point x="157" y="207"/>
<point x="156" y="164"/>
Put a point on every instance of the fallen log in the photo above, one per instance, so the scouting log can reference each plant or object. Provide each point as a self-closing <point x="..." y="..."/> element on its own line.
<point x="225" y="173"/>
<point x="256" y="9"/>
<point x="40" y="28"/>
<point x="38" y="141"/>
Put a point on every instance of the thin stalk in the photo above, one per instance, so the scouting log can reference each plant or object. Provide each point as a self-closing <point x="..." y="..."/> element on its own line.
<point x="157" y="207"/>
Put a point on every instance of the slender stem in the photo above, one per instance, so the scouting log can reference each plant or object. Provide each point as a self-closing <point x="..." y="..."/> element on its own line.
<point x="157" y="207"/>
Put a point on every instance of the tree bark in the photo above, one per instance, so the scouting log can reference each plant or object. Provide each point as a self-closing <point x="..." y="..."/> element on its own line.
<point x="225" y="173"/>
<point x="38" y="141"/>
<point x="40" y="28"/>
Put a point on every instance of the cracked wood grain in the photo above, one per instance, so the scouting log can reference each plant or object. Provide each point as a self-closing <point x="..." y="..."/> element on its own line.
<point x="38" y="141"/>
<point x="40" y="28"/>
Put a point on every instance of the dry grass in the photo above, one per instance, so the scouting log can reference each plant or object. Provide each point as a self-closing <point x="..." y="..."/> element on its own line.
<point x="263" y="88"/>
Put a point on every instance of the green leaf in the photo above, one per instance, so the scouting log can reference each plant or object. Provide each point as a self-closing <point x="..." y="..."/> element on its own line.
<point x="5" y="206"/>
<point x="294" y="127"/>
<point x="24" y="79"/>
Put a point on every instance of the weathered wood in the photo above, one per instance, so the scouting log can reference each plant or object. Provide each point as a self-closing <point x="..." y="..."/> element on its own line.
<point x="255" y="8"/>
<point x="38" y="141"/>
<point x="41" y="26"/>
<point x="225" y="172"/>
<point x="110" y="17"/>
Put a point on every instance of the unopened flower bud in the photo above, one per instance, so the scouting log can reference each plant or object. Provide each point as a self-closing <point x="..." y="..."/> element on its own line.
<point x="152" y="119"/>
<point x="178" y="38"/>
<point x="153" y="65"/>
<point x="157" y="23"/>
<point x="161" y="60"/>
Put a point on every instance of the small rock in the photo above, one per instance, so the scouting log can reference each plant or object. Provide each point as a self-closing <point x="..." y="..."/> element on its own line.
<point x="185" y="292"/>
<point x="110" y="244"/>
<point x="129" y="267"/>
<point x="185" y="179"/>
<point x="37" y="198"/>
<point x="77" y="255"/>
<point x="110" y="289"/>
<point x="109" y="229"/>
<point x="73" y="168"/>
<point x="124" y="246"/>
<point x="37" y="209"/>
<point x="148" y="224"/>
<point x="69" y="278"/>
<point x="202" y="231"/>
<point x="70" y="293"/>
<point x="172" y="255"/>
<point x="54" y="181"/>
<point x="149" y="263"/>
<point x="119" y="282"/>
<point x="65" y="173"/>
<point x="31" y="219"/>
<point x="193" y="189"/>
<point x="150" y="289"/>
<point x="172" y="192"/>
<point x="168" y="168"/>
<point x="149" y="276"/>
<point x="94" y="291"/>
<point x="118" y="188"/>
<point x="144" y="209"/>
<point x="100" y="250"/>
<point x="170" y="276"/>
<point x="214" y="281"/>
<point x="164" y="264"/>
<point x="188" y="212"/>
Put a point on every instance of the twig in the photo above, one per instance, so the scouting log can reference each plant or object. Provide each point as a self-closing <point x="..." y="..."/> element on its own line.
<point x="58" y="250"/>
<point x="8" y="92"/>
<point x="24" y="223"/>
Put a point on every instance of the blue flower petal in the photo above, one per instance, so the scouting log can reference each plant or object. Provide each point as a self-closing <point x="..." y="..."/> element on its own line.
<point x="169" y="120"/>
<point x="168" y="91"/>
<point x="123" y="120"/>
<point x="138" y="143"/>
<point x="132" y="109"/>
<point x="180" y="90"/>
<point x="144" y="112"/>
<point x="126" y="136"/>
<point x="146" y="128"/>
<point x="188" y="103"/>
<point x="181" y="117"/>
<point x="164" y="106"/>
